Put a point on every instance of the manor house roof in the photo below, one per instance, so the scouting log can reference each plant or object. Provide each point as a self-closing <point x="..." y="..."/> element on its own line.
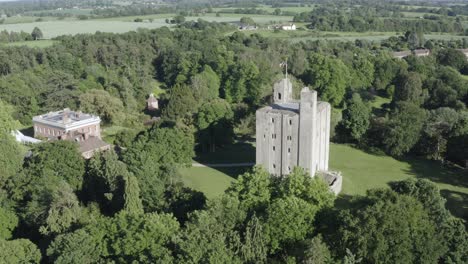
<point x="66" y="118"/>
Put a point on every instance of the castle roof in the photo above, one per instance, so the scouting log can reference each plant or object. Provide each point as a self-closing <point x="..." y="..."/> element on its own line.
<point x="289" y="106"/>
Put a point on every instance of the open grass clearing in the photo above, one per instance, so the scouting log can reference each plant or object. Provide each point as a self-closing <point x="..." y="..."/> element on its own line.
<point x="361" y="171"/>
<point x="239" y="152"/>
<point x="212" y="182"/>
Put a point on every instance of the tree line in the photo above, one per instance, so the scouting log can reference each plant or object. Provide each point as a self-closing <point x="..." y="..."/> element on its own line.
<point x="12" y="36"/>
<point x="361" y="20"/>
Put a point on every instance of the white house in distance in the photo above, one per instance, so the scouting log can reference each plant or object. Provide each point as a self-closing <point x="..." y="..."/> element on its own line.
<point x="284" y="27"/>
<point x="416" y="52"/>
<point x="288" y="27"/>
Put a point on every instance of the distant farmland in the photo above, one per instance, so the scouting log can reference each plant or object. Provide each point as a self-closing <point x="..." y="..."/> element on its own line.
<point x="56" y="28"/>
<point x="53" y="29"/>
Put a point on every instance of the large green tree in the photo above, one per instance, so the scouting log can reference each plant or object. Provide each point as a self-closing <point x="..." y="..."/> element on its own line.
<point x="409" y="88"/>
<point x="9" y="221"/>
<point x="132" y="196"/>
<point x="152" y="158"/>
<point x="288" y="221"/>
<point x="214" y="121"/>
<point x="53" y="208"/>
<point x="60" y="159"/>
<point x="105" y="181"/>
<point x="209" y="236"/>
<point x="37" y="33"/>
<point x="329" y="76"/>
<point x="403" y="130"/>
<point x="206" y="85"/>
<point x="356" y="118"/>
<point x="7" y="123"/>
<point x="451" y="57"/>
<point x="182" y="103"/>
<point x="451" y="229"/>
<point x="11" y="158"/>
<point x="252" y="189"/>
<point x="122" y="239"/>
<point x="109" y="108"/>
<point x="439" y="126"/>
<point x="19" y="251"/>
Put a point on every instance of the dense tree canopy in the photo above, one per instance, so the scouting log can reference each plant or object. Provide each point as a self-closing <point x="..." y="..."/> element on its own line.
<point x="391" y="228"/>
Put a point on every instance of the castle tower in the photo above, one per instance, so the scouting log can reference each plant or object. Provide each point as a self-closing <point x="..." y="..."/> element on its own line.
<point x="293" y="133"/>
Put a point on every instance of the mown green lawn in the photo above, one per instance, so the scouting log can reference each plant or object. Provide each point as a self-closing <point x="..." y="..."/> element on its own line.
<point x="361" y="171"/>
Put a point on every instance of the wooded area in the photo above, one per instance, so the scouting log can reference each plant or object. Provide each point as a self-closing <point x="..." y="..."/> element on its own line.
<point x="130" y="204"/>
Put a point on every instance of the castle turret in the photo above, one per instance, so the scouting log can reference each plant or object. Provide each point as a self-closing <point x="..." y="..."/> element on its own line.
<point x="307" y="130"/>
<point x="282" y="91"/>
<point x="152" y="103"/>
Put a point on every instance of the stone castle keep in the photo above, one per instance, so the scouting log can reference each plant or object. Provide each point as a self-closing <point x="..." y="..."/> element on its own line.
<point x="293" y="133"/>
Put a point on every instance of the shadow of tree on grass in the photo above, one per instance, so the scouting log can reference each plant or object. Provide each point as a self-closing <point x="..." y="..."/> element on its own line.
<point x="439" y="173"/>
<point x="457" y="202"/>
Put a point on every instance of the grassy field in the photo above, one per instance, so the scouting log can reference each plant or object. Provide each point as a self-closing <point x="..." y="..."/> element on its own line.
<point x="295" y="9"/>
<point x="33" y="44"/>
<point x="361" y="171"/>
<point x="54" y="28"/>
<point x="305" y="35"/>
